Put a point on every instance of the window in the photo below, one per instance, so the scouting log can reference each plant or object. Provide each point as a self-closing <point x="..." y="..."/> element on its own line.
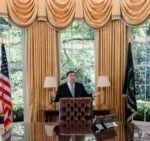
<point x="141" y="54"/>
<point x="13" y="37"/>
<point x="77" y="52"/>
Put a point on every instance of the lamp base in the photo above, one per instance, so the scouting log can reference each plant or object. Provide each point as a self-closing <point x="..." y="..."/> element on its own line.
<point x="52" y="106"/>
<point x="103" y="106"/>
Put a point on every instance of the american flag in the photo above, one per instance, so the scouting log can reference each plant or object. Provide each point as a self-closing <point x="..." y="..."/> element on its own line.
<point x="5" y="90"/>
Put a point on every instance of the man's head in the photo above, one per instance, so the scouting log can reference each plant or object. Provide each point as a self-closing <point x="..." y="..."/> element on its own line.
<point x="71" y="76"/>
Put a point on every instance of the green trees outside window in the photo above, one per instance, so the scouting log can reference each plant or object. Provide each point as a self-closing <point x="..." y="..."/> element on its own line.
<point x="141" y="54"/>
<point x="77" y="52"/>
<point x="13" y="38"/>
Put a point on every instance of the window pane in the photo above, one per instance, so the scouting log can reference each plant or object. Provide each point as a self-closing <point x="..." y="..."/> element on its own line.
<point x="77" y="51"/>
<point x="148" y="92"/>
<point x="148" y="111"/>
<point x="141" y="54"/>
<point x="14" y="45"/>
<point x="140" y="75"/>
<point x="140" y="91"/>
<point x="141" y="111"/>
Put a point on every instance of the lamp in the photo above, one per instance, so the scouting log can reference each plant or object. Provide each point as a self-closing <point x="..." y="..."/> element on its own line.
<point x="50" y="83"/>
<point x="103" y="82"/>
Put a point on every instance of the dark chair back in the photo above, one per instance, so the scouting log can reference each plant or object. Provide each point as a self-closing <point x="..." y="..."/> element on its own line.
<point x="75" y="110"/>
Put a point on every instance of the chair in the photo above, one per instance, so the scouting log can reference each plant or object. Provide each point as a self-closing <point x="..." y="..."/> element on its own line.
<point x="73" y="110"/>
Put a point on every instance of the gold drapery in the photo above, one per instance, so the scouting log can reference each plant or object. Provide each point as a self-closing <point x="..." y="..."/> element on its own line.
<point x="42" y="55"/>
<point x="97" y="13"/>
<point x="111" y="54"/>
<point x="135" y="12"/>
<point x="60" y="13"/>
<point x="23" y="13"/>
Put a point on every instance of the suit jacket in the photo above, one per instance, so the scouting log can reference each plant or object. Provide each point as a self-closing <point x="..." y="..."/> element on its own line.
<point x="64" y="92"/>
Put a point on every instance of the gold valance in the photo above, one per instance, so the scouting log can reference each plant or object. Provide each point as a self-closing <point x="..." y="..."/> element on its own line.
<point x="22" y="13"/>
<point x="60" y="13"/>
<point x="135" y="12"/>
<point x="97" y="13"/>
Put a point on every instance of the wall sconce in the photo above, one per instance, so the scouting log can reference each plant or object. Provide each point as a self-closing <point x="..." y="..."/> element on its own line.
<point x="103" y="82"/>
<point x="50" y="84"/>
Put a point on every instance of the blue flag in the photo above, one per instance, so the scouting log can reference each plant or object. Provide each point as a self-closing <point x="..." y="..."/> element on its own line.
<point x="129" y="88"/>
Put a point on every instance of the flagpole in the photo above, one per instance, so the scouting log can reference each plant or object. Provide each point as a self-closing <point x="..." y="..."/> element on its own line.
<point x="3" y="91"/>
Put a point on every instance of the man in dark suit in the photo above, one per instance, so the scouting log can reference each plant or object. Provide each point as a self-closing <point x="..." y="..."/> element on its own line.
<point x="71" y="88"/>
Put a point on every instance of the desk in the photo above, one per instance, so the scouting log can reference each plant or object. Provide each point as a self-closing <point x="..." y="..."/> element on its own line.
<point x="51" y="115"/>
<point x="50" y="132"/>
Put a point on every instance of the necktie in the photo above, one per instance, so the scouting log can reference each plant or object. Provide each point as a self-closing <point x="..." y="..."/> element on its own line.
<point x="72" y="90"/>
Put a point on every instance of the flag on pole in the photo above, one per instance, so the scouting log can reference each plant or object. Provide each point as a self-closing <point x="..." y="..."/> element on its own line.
<point x="129" y="88"/>
<point x="5" y="90"/>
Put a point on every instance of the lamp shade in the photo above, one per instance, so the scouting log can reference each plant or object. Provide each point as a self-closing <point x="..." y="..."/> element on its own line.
<point x="50" y="82"/>
<point x="103" y="81"/>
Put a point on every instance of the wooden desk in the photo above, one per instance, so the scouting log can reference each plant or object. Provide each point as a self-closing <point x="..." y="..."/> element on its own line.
<point x="41" y="131"/>
<point x="51" y="115"/>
